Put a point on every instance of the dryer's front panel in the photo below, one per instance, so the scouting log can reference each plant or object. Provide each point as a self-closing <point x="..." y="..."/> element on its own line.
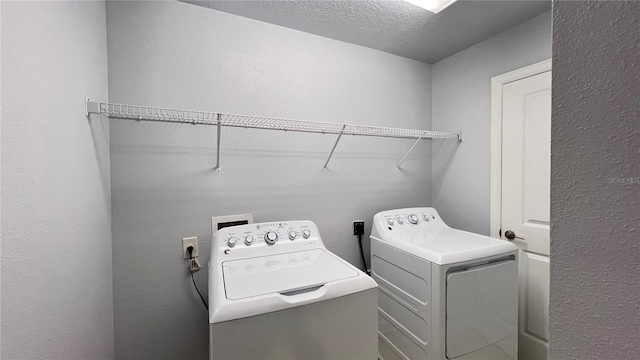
<point x="481" y="307"/>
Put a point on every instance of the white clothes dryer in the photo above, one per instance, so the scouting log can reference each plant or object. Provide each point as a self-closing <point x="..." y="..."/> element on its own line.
<point x="443" y="293"/>
<point x="276" y="292"/>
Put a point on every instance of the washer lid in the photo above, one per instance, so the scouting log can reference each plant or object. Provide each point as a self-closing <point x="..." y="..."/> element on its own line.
<point x="282" y="273"/>
<point x="447" y="246"/>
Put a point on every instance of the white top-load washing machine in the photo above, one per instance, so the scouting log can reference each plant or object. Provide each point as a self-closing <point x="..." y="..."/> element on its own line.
<point x="276" y="292"/>
<point x="443" y="293"/>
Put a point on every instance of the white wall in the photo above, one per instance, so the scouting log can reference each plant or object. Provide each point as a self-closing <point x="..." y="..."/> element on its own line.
<point x="462" y="102"/>
<point x="595" y="181"/>
<point x="164" y="186"/>
<point x="56" y="216"/>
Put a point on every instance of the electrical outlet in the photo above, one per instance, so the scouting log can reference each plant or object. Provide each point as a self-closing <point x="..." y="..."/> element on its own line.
<point x="190" y="241"/>
<point x="358" y="227"/>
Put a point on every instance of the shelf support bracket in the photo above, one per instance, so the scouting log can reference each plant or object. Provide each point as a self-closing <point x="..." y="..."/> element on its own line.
<point x="324" y="169"/>
<point x="91" y="107"/>
<point x="408" y="152"/>
<point x="219" y="126"/>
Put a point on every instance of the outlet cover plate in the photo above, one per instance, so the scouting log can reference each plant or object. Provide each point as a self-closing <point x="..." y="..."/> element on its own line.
<point x="190" y="241"/>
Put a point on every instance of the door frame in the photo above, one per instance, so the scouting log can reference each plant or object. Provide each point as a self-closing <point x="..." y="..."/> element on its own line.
<point x="495" y="192"/>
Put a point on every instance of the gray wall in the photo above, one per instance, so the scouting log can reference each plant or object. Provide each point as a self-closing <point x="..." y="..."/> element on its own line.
<point x="56" y="217"/>
<point x="595" y="181"/>
<point x="164" y="185"/>
<point x="462" y="102"/>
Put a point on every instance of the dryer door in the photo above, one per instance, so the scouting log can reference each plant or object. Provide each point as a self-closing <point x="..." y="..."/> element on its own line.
<point x="482" y="307"/>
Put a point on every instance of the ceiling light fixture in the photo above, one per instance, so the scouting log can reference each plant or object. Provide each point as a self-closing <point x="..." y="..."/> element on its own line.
<point x="432" y="5"/>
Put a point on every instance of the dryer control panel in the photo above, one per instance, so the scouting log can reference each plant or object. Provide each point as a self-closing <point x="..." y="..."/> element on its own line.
<point x="407" y="221"/>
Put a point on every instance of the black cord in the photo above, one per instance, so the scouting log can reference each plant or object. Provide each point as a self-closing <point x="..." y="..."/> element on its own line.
<point x="364" y="263"/>
<point x="190" y="249"/>
<point x="196" y="286"/>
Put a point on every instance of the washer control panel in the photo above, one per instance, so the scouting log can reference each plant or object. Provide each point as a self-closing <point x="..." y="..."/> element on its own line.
<point x="261" y="235"/>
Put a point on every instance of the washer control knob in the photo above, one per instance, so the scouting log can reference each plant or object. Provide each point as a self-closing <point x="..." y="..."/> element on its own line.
<point x="390" y="221"/>
<point x="232" y="241"/>
<point x="248" y="240"/>
<point x="293" y="234"/>
<point x="425" y="217"/>
<point x="399" y="220"/>
<point x="270" y="237"/>
<point x="413" y="218"/>
<point x="306" y="233"/>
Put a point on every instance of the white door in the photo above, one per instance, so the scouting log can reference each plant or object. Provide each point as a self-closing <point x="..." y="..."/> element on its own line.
<point x="526" y="163"/>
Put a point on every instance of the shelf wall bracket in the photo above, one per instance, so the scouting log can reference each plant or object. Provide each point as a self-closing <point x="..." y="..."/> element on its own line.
<point x="324" y="169"/>
<point x="408" y="152"/>
<point x="219" y="127"/>
<point x="91" y="107"/>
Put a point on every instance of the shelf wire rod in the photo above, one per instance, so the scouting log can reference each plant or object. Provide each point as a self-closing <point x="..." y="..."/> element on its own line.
<point x="324" y="169"/>
<point x="219" y="127"/>
<point x="408" y="152"/>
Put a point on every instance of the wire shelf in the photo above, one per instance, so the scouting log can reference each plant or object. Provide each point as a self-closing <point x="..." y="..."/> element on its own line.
<point x="147" y="113"/>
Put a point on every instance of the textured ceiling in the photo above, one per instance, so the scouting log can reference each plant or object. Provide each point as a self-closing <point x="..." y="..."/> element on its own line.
<point x="393" y="26"/>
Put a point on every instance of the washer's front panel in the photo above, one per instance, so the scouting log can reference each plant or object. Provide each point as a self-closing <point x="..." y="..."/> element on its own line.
<point x="341" y="328"/>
